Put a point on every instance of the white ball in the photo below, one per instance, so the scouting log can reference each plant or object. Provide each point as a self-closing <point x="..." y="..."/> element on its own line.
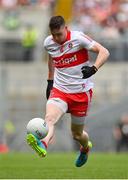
<point x="37" y="127"/>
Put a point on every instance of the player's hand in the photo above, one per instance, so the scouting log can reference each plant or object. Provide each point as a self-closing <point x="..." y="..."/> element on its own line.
<point x="88" y="71"/>
<point x="49" y="88"/>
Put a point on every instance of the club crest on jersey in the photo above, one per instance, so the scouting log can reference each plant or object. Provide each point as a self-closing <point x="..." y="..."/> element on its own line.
<point x="70" y="45"/>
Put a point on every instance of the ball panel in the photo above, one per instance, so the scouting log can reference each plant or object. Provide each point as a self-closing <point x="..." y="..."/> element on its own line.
<point x="37" y="127"/>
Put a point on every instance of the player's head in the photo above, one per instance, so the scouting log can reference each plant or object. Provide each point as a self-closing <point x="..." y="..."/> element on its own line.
<point x="58" y="29"/>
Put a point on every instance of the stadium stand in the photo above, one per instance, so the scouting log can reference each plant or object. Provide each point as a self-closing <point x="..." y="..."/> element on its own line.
<point x="22" y="88"/>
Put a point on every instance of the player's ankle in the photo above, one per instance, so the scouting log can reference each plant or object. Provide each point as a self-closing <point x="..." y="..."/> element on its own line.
<point x="45" y="144"/>
<point x="84" y="148"/>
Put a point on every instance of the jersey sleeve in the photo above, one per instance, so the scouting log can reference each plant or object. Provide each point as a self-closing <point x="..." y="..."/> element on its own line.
<point x="45" y="44"/>
<point x="86" y="41"/>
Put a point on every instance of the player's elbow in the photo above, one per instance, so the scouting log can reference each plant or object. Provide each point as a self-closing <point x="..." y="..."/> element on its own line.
<point x="106" y="53"/>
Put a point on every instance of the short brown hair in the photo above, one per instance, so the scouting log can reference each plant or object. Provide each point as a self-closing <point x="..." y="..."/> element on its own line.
<point x="56" y="22"/>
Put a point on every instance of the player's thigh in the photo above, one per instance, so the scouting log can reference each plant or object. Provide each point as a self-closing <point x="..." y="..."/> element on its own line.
<point x="77" y="125"/>
<point x="55" y="108"/>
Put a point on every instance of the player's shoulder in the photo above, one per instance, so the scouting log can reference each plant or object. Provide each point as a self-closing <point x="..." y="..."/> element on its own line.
<point x="77" y="33"/>
<point x="48" y="40"/>
<point x="81" y="36"/>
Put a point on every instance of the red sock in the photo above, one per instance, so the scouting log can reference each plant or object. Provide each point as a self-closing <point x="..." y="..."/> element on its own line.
<point x="84" y="149"/>
<point x="44" y="143"/>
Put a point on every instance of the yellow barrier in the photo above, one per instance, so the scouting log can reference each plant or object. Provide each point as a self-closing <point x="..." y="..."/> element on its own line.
<point x="64" y="8"/>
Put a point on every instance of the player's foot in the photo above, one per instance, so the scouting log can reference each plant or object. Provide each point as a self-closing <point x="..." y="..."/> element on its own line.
<point x="37" y="145"/>
<point x="83" y="156"/>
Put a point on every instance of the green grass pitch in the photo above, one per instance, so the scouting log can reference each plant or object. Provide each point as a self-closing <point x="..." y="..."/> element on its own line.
<point x="61" y="166"/>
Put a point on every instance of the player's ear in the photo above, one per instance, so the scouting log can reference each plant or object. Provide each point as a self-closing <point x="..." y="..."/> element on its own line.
<point x="66" y="27"/>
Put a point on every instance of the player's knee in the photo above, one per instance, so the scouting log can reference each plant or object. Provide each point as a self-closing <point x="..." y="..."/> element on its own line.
<point x="77" y="135"/>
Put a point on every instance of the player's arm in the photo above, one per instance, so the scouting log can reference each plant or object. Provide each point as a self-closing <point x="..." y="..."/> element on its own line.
<point x="50" y="76"/>
<point x="102" y="55"/>
<point x="50" y="69"/>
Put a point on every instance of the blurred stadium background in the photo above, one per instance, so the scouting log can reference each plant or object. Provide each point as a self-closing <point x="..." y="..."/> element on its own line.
<point x="23" y="68"/>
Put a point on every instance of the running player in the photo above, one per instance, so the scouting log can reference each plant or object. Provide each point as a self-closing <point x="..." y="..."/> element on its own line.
<point x="69" y="83"/>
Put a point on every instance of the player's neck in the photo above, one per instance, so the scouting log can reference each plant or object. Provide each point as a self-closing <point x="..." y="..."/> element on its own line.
<point x="66" y="36"/>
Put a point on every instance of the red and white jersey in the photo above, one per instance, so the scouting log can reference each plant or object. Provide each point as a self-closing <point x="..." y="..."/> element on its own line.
<point x="68" y="59"/>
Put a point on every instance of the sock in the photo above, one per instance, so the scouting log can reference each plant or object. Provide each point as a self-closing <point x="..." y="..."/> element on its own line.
<point x="84" y="149"/>
<point x="44" y="143"/>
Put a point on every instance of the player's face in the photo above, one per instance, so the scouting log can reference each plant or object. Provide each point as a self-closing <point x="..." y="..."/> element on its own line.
<point x="59" y="35"/>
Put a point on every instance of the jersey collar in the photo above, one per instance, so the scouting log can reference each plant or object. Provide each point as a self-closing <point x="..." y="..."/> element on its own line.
<point x="68" y="37"/>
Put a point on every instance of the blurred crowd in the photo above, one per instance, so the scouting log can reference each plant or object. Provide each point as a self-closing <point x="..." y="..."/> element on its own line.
<point x="15" y="3"/>
<point x="110" y="16"/>
<point x="121" y="133"/>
